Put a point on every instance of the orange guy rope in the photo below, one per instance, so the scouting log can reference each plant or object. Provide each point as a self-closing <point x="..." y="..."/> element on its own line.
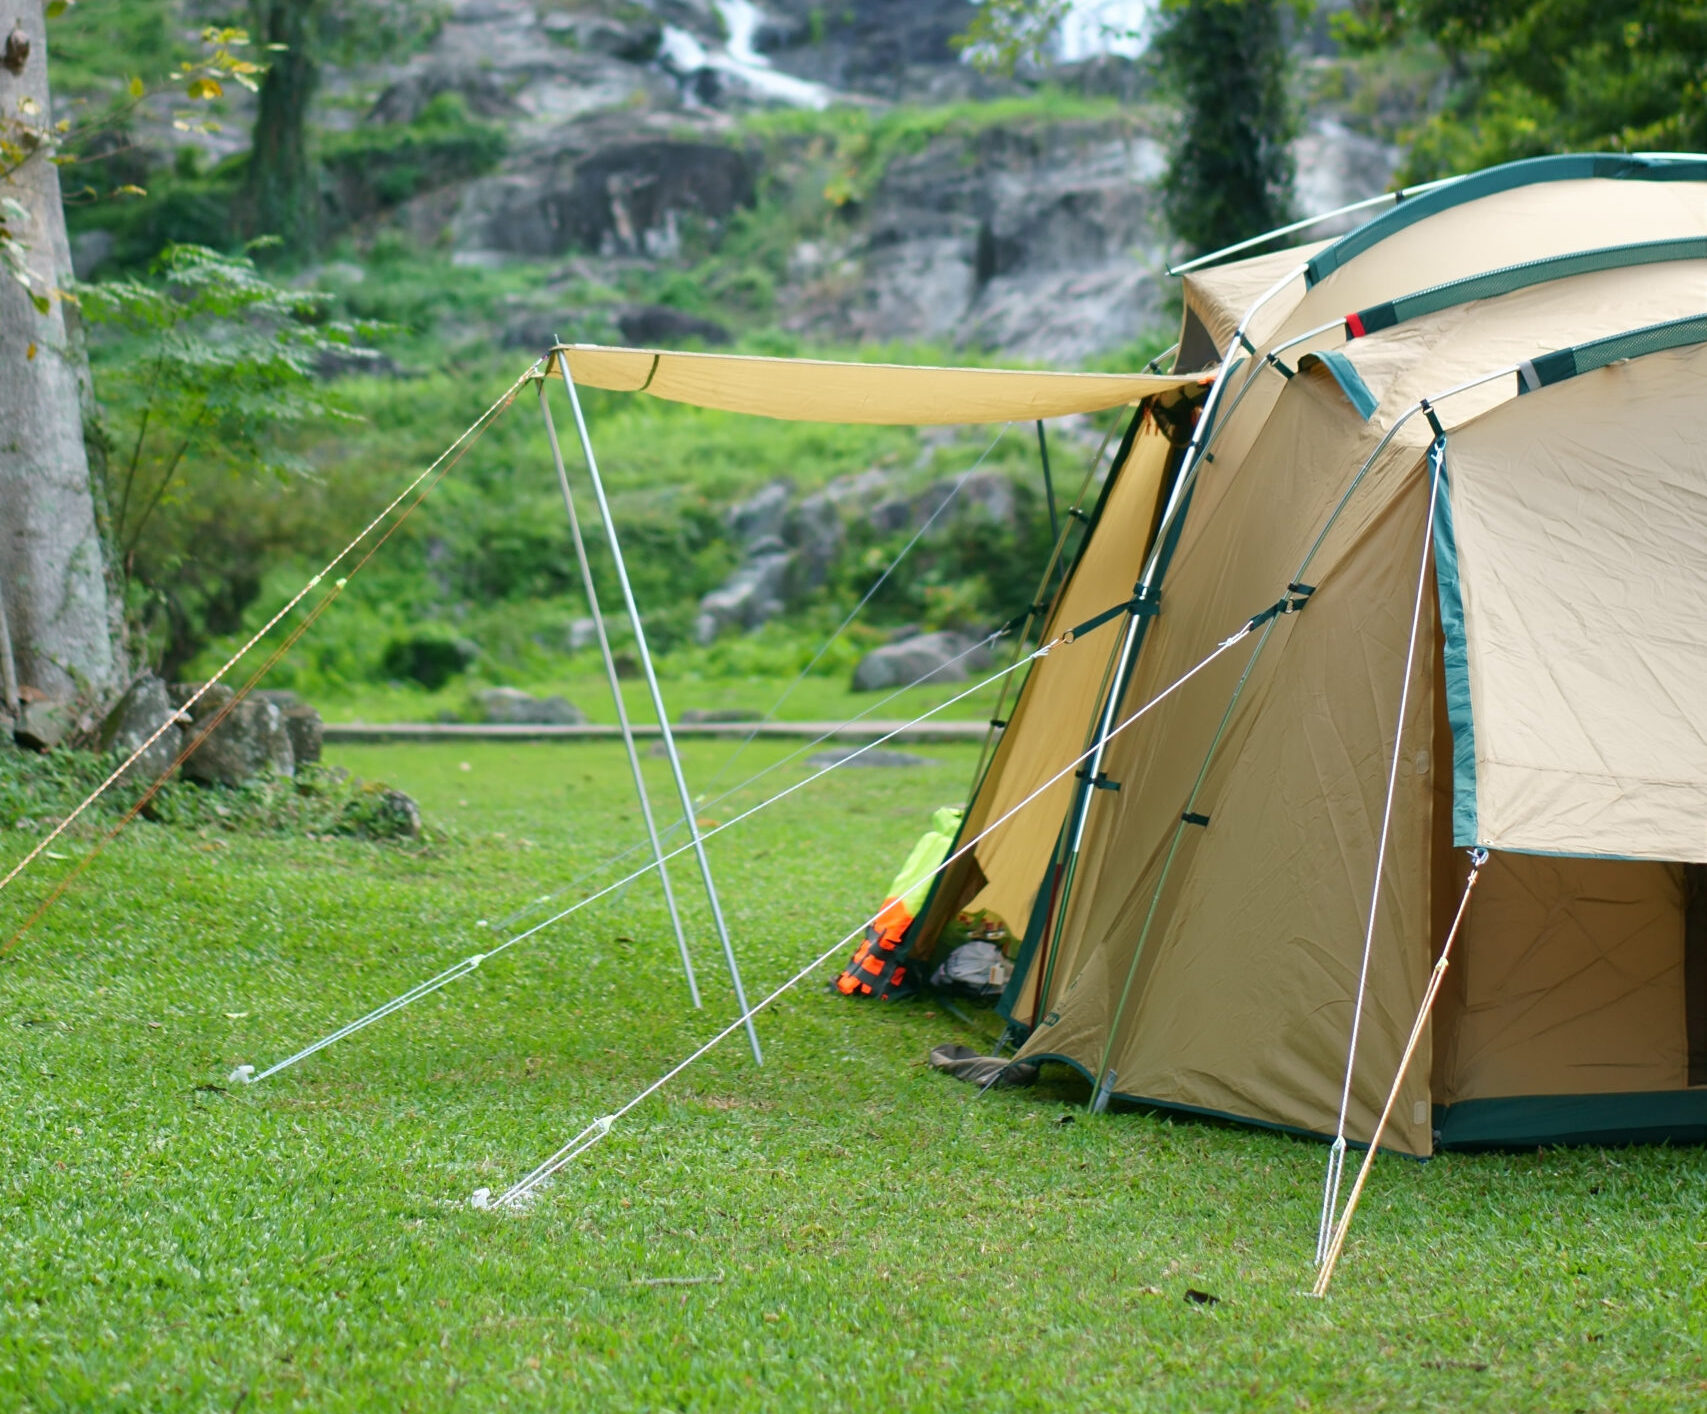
<point x="1478" y="857"/>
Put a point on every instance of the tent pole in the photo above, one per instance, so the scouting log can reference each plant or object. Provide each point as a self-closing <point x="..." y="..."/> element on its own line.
<point x="616" y="694"/>
<point x="1048" y="484"/>
<point x="658" y="705"/>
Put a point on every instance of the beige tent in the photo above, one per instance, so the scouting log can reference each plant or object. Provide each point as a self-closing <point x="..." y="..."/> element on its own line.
<point x="1450" y="398"/>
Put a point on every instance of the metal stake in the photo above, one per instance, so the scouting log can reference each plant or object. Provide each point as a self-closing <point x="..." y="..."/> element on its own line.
<point x="658" y="704"/>
<point x="616" y="693"/>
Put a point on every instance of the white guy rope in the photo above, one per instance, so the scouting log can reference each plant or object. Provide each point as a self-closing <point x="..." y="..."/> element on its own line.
<point x="1336" y="1154"/>
<point x="752" y="780"/>
<point x="1478" y="857"/>
<point x="266" y="628"/>
<point x="587" y="1137"/>
<point x="247" y="1074"/>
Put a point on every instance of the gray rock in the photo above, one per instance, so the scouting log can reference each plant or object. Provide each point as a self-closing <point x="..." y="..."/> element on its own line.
<point x="136" y="717"/>
<point x="626" y="199"/>
<point x="877" y="757"/>
<point x="925" y="657"/>
<point x="761" y="515"/>
<point x="512" y="706"/>
<point x="307" y="732"/>
<point x="43" y="723"/>
<point x="755" y="593"/>
<point x="634" y="40"/>
<point x="988" y="494"/>
<point x="659" y="324"/>
<point x="815" y="529"/>
<point x="583" y="632"/>
<point x="250" y="740"/>
<point x="400" y="817"/>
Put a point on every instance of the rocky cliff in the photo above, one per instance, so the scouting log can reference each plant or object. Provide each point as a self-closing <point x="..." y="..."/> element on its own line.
<point x="619" y="138"/>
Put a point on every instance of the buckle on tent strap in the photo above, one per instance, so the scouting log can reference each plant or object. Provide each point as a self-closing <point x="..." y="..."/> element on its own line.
<point x="998" y="722"/>
<point x="1100" y="781"/>
<point x="1079" y="513"/>
<point x="1433" y="421"/>
<point x="1292" y="602"/>
<point x="1144" y="604"/>
<point x="1239" y="334"/>
<point x="1191" y="817"/>
<point x="1273" y="361"/>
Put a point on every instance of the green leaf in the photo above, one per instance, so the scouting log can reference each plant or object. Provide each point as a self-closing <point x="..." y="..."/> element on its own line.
<point x="137" y="88"/>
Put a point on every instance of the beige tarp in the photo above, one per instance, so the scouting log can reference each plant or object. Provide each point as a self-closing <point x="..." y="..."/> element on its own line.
<point x="816" y="390"/>
<point x="1581" y="519"/>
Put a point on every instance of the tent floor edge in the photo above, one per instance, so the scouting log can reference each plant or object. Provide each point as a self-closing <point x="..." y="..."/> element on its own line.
<point x="1525" y="1121"/>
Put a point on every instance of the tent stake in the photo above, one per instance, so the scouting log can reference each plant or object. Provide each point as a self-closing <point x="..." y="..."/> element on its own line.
<point x="658" y="705"/>
<point x="616" y="694"/>
<point x="1478" y="857"/>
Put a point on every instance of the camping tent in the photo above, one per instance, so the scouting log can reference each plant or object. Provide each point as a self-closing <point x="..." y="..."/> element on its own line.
<point x="1492" y="392"/>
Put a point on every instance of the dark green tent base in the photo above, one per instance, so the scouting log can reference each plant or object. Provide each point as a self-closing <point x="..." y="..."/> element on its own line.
<point x="1513" y="1122"/>
<point x="1521" y="1121"/>
<point x="1170" y="1107"/>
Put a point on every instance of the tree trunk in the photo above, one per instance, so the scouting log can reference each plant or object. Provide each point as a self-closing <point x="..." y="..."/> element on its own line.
<point x="280" y="195"/>
<point x="65" y="628"/>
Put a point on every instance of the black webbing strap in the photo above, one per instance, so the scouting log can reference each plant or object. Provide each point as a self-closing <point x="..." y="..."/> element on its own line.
<point x="1291" y="602"/>
<point x="1433" y="421"/>
<point x="1249" y="347"/>
<point x="1273" y="360"/>
<point x="1191" y="817"/>
<point x="1100" y="781"/>
<point x="1144" y="604"/>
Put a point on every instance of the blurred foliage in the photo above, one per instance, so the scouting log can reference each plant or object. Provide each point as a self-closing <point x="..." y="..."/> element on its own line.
<point x="1230" y="171"/>
<point x="1530" y="77"/>
<point x="203" y="370"/>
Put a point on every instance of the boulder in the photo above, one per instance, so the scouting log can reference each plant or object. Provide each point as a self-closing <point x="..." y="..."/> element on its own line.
<point x="625" y="199"/>
<point x="250" y="740"/>
<point x="303" y="724"/>
<point x="755" y="593"/>
<point x="840" y="755"/>
<point x="925" y="657"/>
<point x="633" y="38"/>
<point x="136" y="717"/>
<point x="760" y="517"/>
<point x="512" y="707"/>
<point x="43" y="723"/>
<point x="814" y="529"/>
<point x="659" y="324"/>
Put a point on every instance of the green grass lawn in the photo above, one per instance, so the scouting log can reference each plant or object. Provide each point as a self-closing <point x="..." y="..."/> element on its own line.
<point x="860" y="1233"/>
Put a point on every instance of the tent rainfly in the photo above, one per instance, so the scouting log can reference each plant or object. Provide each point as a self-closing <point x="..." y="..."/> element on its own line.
<point x="1456" y="475"/>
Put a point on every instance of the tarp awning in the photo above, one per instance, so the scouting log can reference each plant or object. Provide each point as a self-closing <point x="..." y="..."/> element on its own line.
<point x="817" y="390"/>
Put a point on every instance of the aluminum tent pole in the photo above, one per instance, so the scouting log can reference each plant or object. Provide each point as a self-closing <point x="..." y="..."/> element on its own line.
<point x="658" y="705"/>
<point x="1090" y="774"/>
<point x="616" y="694"/>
